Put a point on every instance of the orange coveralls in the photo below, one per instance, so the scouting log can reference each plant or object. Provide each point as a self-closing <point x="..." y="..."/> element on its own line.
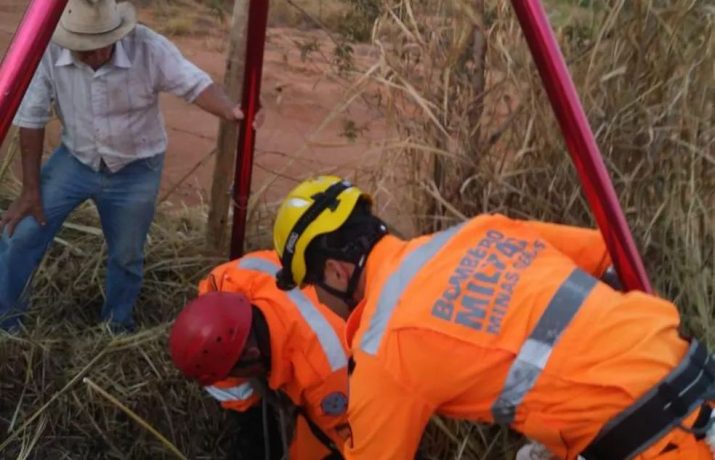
<point x="450" y="325"/>
<point x="308" y="354"/>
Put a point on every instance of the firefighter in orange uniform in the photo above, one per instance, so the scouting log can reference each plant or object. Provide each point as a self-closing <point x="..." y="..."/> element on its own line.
<point x="246" y="340"/>
<point x="500" y="321"/>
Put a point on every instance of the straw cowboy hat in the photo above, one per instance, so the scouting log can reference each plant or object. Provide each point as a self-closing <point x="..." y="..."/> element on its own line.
<point x="91" y="24"/>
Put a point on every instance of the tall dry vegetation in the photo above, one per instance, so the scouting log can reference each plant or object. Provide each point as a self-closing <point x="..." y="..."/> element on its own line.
<point x="475" y="133"/>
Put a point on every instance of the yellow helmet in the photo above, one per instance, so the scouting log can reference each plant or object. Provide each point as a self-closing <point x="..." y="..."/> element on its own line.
<point x="315" y="207"/>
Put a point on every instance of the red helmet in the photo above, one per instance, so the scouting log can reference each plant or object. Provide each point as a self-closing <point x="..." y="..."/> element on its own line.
<point x="209" y="334"/>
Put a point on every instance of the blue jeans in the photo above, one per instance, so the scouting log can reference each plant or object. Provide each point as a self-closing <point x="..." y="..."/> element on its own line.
<point x="126" y="201"/>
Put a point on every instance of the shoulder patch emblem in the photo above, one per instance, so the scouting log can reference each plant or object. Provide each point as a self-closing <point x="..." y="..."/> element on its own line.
<point x="335" y="403"/>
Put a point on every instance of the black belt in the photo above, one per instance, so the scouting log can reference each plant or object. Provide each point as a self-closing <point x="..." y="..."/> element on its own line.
<point x="282" y="402"/>
<point x="320" y="435"/>
<point x="660" y="410"/>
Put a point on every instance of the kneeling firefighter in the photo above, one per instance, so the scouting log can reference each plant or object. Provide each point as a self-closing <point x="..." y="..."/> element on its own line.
<point x="247" y="341"/>
<point x="500" y="321"/>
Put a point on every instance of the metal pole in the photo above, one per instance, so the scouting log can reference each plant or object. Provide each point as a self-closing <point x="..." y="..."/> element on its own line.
<point x="250" y="103"/>
<point x="24" y="54"/>
<point x="581" y="144"/>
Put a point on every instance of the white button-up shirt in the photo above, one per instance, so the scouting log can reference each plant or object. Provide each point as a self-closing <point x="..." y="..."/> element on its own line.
<point x="111" y="114"/>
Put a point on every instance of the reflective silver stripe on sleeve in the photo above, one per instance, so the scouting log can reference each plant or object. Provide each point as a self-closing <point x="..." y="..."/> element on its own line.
<point x="328" y="339"/>
<point x="536" y="350"/>
<point x="397" y="283"/>
<point x="240" y="392"/>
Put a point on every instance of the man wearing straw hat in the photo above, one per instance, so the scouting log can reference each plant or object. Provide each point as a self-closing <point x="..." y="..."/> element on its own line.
<point x="104" y="73"/>
<point x="247" y="341"/>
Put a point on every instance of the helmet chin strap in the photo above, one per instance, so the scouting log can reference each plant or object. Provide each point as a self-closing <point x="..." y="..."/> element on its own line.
<point x="342" y="295"/>
<point x="348" y="295"/>
<point x="356" y="253"/>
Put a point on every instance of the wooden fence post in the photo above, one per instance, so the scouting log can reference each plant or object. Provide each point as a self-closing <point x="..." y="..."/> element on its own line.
<point x="217" y="227"/>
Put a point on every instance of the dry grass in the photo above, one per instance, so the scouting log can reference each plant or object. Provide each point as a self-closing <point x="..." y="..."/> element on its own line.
<point x="189" y="17"/>
<point x="291" y="13"/>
